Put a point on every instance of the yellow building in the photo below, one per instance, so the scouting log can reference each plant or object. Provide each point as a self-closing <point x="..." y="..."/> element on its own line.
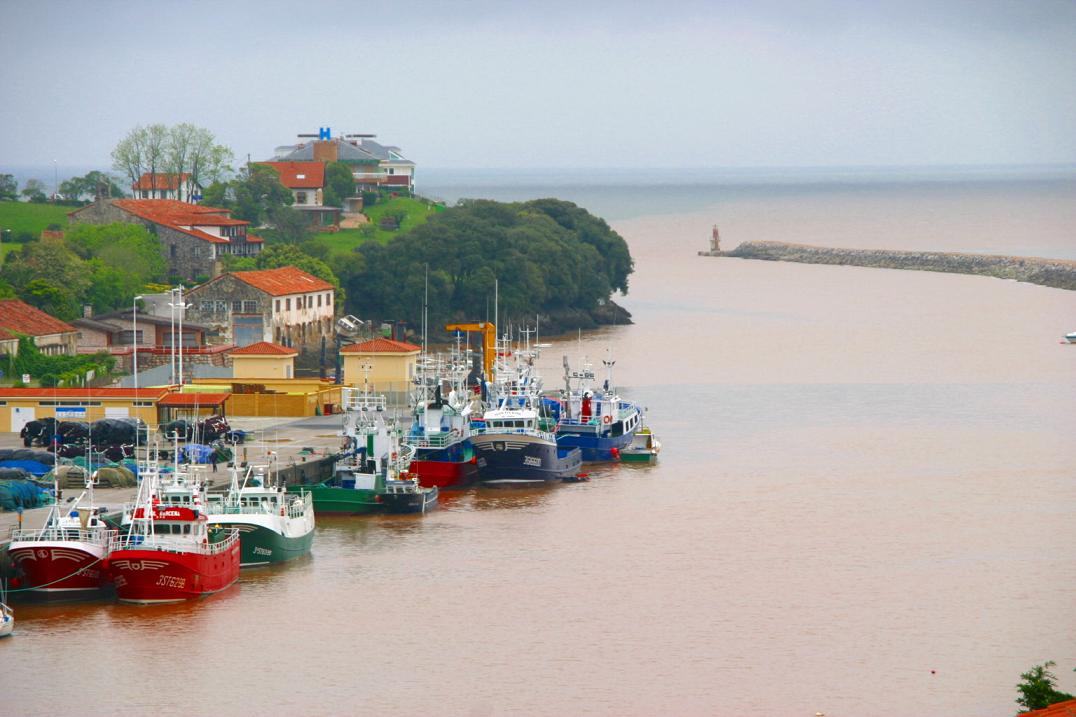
<point x="263" y="360"/>
<point x="391" y="364"/>
<point x="18" y="406"/>
<point x="274" y="396"/>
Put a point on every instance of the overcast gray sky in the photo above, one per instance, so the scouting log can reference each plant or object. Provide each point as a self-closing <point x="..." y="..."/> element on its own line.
<point x="496" y="83"/>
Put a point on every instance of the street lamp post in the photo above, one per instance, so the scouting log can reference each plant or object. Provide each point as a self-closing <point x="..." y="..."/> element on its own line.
<point x="134" y="355"/>
<point x="134" y="339"/>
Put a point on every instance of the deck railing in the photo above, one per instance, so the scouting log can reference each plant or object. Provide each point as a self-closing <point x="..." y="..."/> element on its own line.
<point x="166" y="544"/>
<point x="82" y="535"/>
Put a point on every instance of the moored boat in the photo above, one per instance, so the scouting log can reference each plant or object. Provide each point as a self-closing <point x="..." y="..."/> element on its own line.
<point x="440" y="427"/>
<point x="514" y="441"/>
<point x="274" y="526"/>
<point x="644" y="447"/>
<point x="66" y="559"/>
<point x="1071" y="337"/>
<point x="594" y="419"/>
<point x="374" y="456"/>
<point x="7" y="620"/>
<point x="170" y="553"/>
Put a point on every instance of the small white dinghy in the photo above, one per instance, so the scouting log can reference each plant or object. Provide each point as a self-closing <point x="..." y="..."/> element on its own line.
<point x="1071" y="337"/>
<point x="7" y="620"/>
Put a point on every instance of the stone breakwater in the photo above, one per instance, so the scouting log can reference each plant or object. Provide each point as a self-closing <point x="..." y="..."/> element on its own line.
<point x="1056" y="273"/>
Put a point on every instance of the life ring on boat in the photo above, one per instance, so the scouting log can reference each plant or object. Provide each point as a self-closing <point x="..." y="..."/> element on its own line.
<point x="393" y="456"/>
<point x="607" y="420"/>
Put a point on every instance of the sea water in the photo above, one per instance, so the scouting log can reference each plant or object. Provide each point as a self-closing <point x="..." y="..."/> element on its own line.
<point x="865" y="504"/>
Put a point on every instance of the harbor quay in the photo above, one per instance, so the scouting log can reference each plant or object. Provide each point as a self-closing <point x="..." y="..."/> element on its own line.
<point x="296" y="444"/>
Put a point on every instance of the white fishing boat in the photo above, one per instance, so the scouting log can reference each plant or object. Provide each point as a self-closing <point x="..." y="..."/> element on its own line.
<point x="274" y="525"/>
<point x="1071" y="337"/>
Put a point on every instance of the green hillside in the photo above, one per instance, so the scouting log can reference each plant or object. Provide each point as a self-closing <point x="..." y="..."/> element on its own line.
<point x="33" y="218"/>
<point x="415" y="212"/>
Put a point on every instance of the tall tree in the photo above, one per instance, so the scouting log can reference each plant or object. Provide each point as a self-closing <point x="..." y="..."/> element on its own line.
<point x="129" y="155"/>
<point x="156" y="147"/>
<point x="181" y="149"/>
<point x="9" y="188"/>
<point x="34" y="190"/>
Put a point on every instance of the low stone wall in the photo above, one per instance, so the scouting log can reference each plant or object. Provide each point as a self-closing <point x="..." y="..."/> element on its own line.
<point x="1056" y="273"/>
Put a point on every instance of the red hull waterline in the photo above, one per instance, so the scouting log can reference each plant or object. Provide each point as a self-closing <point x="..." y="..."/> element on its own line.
<point x="60" y="572"/>
<point x="155" y="576"/>
<point x="445" y="475"/>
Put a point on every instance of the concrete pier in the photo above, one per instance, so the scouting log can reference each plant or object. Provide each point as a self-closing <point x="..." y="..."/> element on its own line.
<point x="1055" y="273"/>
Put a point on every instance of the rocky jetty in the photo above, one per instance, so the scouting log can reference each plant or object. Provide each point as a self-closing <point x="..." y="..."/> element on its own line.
<point x="1056" y="273"/>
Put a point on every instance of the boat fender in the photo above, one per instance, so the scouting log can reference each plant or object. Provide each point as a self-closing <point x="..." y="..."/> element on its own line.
<point x="607" y="420"/>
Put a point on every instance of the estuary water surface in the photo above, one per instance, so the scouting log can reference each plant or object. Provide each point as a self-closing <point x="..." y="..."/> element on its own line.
<point x="865" y="506"/>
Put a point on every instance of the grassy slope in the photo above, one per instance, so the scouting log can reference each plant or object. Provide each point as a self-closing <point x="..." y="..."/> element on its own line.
<point x="26" y="217"/>
<point x="345" y="240"/>
<point x="33" y="218"/>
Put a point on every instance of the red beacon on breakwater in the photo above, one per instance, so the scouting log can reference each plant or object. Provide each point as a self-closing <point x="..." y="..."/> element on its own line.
<point x="171" y="554"/>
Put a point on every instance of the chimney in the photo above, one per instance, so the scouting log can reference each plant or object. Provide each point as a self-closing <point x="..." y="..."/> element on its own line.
<point x="87" y="311"/>
<point x="326" y="151"/>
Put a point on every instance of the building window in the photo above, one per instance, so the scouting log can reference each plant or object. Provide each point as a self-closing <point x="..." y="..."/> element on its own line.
<point x="172" y="250"/>
<point x="206" y="307"/>
<point x="237" y="307"/>
<point x="222" y="307"/>
<point x="278" y="305"/>
<point x="300" y="197"/>
<point x="124" y="338"/>
<point x="319" y="301"/>
<point x="250" y="307"/>
<point x="392" y="171"/>
<point x="287" y="304"/>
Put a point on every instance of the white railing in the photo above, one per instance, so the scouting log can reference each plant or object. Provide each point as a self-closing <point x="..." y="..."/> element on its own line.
<point x="481" y="430"/>
<point x="87" y="535"/>
<point x="164" y="544"/>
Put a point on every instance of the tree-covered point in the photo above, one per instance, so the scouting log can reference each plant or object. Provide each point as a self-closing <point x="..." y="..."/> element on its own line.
<point x="549" y="256"/>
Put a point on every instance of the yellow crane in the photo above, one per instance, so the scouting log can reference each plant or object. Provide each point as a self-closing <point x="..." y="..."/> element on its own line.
<point x="489" y="342"/>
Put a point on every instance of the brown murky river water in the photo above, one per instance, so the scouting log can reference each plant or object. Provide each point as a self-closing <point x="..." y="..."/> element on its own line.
<point x="865" y="505"/>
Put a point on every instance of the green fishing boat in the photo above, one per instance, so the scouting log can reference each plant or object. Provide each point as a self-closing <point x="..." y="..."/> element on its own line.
<point x="644" y="448"/>
<point x="274" y="525"/>
<point x="372" y="475"/>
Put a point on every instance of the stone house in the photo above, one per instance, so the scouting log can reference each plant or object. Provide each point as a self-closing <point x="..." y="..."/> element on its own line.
<point x="52" y="336"/>
<point x="193" y="237"/>
<point x="285" y="306"/>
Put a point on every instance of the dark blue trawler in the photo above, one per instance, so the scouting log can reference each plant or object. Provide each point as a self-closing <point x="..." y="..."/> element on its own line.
<point x="595" y="420"/>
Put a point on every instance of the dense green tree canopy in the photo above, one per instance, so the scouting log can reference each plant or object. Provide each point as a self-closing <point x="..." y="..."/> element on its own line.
<point x="548" y="256"/>
<point x="339" y="184"/>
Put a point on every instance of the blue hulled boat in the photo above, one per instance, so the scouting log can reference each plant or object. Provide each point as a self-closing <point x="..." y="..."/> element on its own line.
<point x="593" y="419"/>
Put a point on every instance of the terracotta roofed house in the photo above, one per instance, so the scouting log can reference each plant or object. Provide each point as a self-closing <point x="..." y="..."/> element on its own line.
<point x="263" y="360"/>
<point x="165" y="186"/>
<point x="286" y="306"/>
<point x="306" y="180"/>
<point x="50" y="335"/>
<point x="193" y="237"/>
<point x="391" y="364"/>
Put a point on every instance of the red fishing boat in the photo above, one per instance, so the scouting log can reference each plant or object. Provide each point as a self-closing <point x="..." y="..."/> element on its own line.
<point x="66" y="558"/>
<point x="171" y="554"/>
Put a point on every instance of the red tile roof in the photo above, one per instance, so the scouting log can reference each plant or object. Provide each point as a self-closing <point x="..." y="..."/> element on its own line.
<point x="300" y="175"/>
<point x="170" y="211"/>
<point x="15" y="316"/>
<point x="5" y="336"/>
<point x="147" y="394"/>
<point x="190" y="400"/>
<point x="1058" y="709"/>
<point x="282" y="281"/>
<point x="159" y="181"/>
<point x="265" y="348"/>
<point x="381" y="346"/>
